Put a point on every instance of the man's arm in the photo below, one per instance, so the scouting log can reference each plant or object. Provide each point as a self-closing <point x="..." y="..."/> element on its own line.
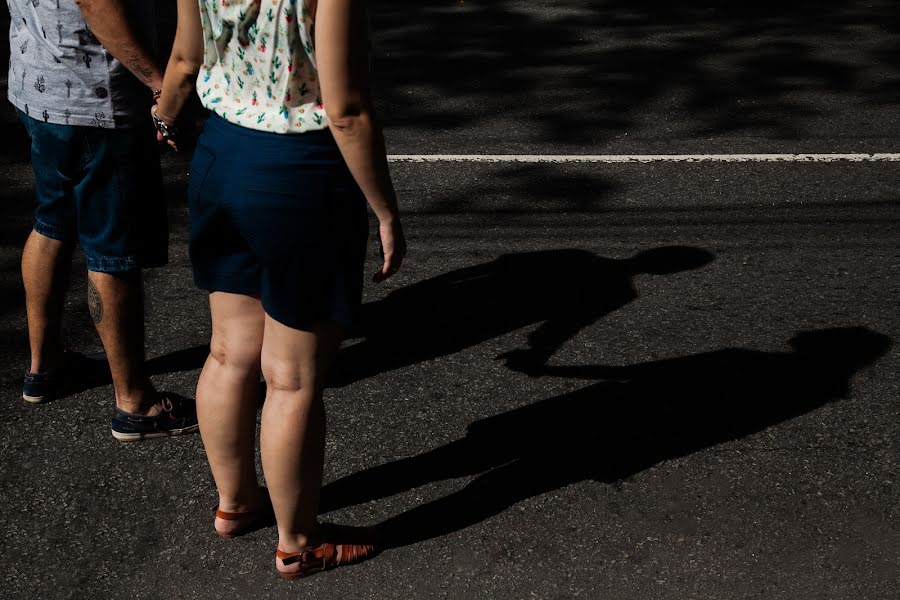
<point x="108" y="22"/>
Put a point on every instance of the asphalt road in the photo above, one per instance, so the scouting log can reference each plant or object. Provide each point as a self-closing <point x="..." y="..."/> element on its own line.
<point x="709" y="408"/>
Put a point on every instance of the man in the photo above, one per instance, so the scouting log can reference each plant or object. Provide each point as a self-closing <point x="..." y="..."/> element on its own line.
<point x="82" y="78"/>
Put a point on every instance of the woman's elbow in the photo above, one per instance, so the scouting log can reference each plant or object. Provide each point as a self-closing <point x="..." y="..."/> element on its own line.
<point x="346" y="116"/>
<point x="187" y="55"/>
<point x="186" y="66"/>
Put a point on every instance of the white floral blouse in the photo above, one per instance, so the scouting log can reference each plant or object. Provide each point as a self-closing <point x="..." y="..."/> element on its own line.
<point x="259" y="66"/>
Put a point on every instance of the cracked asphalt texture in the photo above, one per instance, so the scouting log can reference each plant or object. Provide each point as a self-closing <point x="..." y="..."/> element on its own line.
<point x="726" y="425"/>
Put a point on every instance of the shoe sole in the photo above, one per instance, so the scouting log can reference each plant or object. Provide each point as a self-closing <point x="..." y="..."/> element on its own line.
<point x="136" y="437"/>
<point x="34" y="399"/>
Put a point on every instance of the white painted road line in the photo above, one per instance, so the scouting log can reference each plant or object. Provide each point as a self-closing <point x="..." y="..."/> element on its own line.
<point x="642" y="158"/>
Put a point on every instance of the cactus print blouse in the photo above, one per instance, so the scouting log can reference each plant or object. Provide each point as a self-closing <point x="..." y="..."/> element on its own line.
<point x="259" y="67"/>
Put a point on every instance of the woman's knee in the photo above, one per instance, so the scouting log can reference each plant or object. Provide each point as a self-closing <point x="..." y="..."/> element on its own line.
<point x="283" y="375"/>
<point x="243" y="354"/>
<point x="295" y="361"/>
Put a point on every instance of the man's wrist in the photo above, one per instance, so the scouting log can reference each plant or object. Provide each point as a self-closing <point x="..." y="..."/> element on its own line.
<point x="155" y="83"/>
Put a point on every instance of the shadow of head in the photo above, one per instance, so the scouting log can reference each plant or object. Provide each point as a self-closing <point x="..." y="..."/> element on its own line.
<point x="818" y="369"/>
<point x="670" y="259"/>
<point x="858" y="345"/>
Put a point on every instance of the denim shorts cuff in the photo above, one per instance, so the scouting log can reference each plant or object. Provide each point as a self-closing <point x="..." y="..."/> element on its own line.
<point x="51" y="231"/>
<point x="106" y="264"/>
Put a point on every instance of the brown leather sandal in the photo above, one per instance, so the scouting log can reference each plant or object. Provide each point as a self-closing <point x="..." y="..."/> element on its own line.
<point x="248" y="521"/>
<point x="327" y="556"/>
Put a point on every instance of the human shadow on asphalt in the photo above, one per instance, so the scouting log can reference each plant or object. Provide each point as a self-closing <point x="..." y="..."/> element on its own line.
<point x="634" y="417"/>
<point x="562" y="291"/>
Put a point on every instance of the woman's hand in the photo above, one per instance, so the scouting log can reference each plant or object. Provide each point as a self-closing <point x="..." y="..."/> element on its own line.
<point x="170" y="123"/>
<point x="393" y="248"/>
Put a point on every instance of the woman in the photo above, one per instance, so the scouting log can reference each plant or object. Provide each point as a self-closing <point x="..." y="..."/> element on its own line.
<point x="282" y="170"/>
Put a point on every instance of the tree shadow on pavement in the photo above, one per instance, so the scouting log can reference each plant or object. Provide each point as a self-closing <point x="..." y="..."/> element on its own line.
<point x="584" y="72"/>
<point x="634" y="417"/>
<point x="562" y="291"/>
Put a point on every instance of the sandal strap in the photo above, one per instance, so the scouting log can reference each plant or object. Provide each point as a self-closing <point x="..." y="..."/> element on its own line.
<point x="318" y="559"/>
<point x="242" y="516"/>
<point x="231" y="516"/>
<point x="263" y="511"/>
<point x="329" y="555"/>
<point x="351" y="553"/>
<point x="326" y="556"/>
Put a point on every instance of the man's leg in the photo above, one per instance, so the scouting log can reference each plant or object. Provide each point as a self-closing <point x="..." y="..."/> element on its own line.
<point x="46" y="258"/>
<point x="116" y="303"/>
<point x="120" y="181"/>
<point x="45" y="273"/>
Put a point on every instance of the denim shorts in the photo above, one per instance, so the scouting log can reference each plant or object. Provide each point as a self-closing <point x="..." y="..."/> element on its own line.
<point x="278" y="216"/>
<point x="101" y="188"/>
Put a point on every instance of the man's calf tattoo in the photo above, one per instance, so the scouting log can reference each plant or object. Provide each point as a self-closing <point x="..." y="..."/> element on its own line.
<point x="95" y="303"/>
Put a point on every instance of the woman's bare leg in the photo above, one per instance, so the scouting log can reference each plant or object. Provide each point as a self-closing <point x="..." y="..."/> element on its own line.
<point x="227" y="401"/>
<point x="292" y="438"/>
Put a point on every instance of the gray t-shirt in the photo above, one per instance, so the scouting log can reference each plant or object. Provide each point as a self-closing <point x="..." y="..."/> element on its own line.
<point x="60" y="73"/>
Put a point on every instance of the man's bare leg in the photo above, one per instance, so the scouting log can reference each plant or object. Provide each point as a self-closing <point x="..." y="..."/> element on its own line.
<point x="45" y="273"/>
<point x="116" y="303"/>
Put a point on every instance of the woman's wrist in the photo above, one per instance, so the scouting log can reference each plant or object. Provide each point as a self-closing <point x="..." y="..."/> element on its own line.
<point x="388" y="217"/>
<point x="162" y="117"/>
<point x="165" y="127"/>
<point x="385" y="207"/>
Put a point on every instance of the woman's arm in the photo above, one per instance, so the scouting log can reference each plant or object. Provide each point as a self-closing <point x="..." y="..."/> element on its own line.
<point x="342" y="59"/>
<point x="184" y="62"/>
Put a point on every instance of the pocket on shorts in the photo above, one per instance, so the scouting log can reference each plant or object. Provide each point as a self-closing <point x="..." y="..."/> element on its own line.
<point x="201" y="165"/>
